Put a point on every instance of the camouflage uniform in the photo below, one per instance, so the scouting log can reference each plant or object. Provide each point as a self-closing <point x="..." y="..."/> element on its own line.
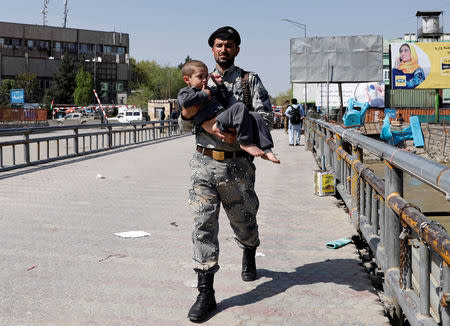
<point x="230" y="181"/>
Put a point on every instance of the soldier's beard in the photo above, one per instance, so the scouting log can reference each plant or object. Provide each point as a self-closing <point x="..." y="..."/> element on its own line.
<point x="225" y="64"/>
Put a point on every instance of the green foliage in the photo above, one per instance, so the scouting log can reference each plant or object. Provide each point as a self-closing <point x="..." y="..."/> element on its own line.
<point x="64" y="82"/>
<point x="5" y="87"/>
<point x="28" y="82"/>
<point x="150" y="81"/>
<point x="282" y="97"/>
<point x="83" y="94"/>
<point x="188" y="58"/>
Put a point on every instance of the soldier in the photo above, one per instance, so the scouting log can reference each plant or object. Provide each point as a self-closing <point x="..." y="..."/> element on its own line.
<point x="223" y="173"/>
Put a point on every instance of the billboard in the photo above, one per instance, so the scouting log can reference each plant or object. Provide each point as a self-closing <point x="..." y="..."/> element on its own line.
<point x="345" y="59"/>
<point x="17" y="96"/>
<point x="420" y="65"/>
<point x="362" y="92"/>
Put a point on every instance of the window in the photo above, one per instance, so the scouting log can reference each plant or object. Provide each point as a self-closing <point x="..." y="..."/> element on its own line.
<point x="120" y="50"/>
<point x="136" y="113"/>
<point x="105" y="86"/>
<point x="30" y="44"/>
<point x="70" y="47"/>
<point x="128" y="114"/>
<point x="386" y="77"/>
<point x="119" y="86"/>
<point x="107" y="49"/>
<point x="57" y="46"/>
<point x="2" y="42"/>
<point x="86" y="48"/>
<point x="43" y="45"/>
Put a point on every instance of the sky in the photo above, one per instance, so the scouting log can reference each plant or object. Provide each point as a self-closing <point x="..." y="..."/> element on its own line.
<point x="167" y="31"/>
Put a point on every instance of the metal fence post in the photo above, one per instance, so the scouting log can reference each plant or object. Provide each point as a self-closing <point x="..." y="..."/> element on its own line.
<point x="362" y="196"/>
<point x="393" y="184"/>
<point x="369" y="198"/>
<point x="375" y="214"/>
<point x="321" y="141"/>
<point x="76" y="141"/>
<point x="135" y="134"/>
<point x="445" y="316"/>
<point x="26" y="151"/>
<point x="338" y="159"/>
<point x="424" y="277"/>
<point x="110" y="137"/>
<point x="382" y="221"/>
<point x="327" y="149"/>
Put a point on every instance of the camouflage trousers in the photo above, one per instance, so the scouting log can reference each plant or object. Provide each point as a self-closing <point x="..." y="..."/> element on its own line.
<point x="230" y="182"/>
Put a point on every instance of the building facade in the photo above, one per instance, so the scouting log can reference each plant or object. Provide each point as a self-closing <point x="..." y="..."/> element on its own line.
<point x="39" y="49"/>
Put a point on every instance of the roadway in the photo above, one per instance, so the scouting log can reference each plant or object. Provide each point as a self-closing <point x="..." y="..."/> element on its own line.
<point x="63" y="265"/>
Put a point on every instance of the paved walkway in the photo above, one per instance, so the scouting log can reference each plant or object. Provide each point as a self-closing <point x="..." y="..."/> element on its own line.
<point x="59" y="221"/>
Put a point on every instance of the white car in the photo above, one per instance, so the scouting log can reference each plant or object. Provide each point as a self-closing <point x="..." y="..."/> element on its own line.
<point x="128" y="115"/>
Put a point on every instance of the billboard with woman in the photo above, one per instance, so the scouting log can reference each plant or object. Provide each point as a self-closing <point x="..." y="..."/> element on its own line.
<point x="420" y="65"/>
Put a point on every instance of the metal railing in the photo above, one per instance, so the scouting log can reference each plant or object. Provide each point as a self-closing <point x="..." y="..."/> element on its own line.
<point x="412" y="250"/>
<point x="30" y="146"/>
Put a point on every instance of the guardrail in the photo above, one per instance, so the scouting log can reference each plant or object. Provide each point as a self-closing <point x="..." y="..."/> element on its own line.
<point x="412" y="250"/>
<point x="30" y="146"/>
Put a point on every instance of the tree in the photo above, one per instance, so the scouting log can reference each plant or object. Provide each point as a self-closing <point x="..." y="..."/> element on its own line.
<point x="5" y="87"/>
<point x="188" y="58"/>
<point x="151" y="81"/>
<point x="28" y="82"/>
<point x="64" y="82"/>
<point x="282" y="97"/>
<point x="83" y="92"/>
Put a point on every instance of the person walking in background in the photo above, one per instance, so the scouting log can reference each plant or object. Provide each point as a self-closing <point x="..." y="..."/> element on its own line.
<point x="285" y="119"/>
<point x="295" y="113"/>
<point x="162" y="117"/>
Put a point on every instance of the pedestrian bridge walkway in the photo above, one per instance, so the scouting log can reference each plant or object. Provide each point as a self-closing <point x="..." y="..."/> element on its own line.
<point x="63" y="265"/>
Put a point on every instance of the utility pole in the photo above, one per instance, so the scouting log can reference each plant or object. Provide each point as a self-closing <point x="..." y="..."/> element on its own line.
<point x="303" y="26"/>
<point x="66" y="10"/>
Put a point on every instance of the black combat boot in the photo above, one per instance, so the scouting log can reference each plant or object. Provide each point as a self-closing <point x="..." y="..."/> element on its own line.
<point x="248" y="265"/>
<point x="205" y="300"/>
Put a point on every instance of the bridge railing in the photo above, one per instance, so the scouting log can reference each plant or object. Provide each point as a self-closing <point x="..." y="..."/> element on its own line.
<point x="412" y="250"/>
<point x="30" y="146"/>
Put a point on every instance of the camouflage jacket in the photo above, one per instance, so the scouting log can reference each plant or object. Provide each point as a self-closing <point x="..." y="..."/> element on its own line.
<point x="232" y="80"/>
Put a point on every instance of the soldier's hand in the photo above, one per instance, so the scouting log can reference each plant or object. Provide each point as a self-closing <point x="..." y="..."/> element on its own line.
<point x="229" y="137"/>
<point x="211" y="127"/>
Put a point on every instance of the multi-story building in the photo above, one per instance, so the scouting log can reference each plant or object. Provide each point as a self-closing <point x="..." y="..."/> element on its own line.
<point x="38" y="50"/>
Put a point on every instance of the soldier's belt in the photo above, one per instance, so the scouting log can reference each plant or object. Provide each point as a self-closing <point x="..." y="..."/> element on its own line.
<point x="220" y="155"/>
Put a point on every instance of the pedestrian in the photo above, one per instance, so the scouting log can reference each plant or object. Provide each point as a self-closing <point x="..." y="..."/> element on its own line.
<point x="295" y="113"/>
<point x="285" y="119"/>
<point x="252" y="133"/>
<point x="222" y="173"/>
<point x="162" y="116"/>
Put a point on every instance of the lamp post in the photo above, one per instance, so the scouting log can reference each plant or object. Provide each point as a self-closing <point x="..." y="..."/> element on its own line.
<point x="300" y="25"/>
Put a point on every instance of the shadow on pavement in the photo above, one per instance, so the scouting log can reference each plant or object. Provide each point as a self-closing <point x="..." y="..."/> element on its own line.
<point x="339" y="271"/>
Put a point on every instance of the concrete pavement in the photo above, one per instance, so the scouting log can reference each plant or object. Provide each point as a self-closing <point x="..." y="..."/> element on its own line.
<point x="58" y="220"/>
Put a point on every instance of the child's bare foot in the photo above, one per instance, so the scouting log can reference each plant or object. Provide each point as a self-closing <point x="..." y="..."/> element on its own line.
<point x="252" y="150"/>
<point x="270" y="157"/>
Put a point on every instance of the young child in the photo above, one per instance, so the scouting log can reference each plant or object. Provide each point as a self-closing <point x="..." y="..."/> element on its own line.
<point x="252" y="133"/>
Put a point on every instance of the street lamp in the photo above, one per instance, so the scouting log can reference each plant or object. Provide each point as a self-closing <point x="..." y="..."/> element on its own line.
<point x="296" y="24"/>
<point x="304" y="28"/>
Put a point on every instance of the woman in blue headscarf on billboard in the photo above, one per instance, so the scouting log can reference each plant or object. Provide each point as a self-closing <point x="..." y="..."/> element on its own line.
<point x="407" y="73"/>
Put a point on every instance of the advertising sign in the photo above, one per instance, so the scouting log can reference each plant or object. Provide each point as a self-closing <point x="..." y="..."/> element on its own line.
<point x="420" y="65"/>
<point x="345" y="59"/>
<point x="17" y="96"/>
<point x="361" y="92"/>
<point x="391" y="113"/>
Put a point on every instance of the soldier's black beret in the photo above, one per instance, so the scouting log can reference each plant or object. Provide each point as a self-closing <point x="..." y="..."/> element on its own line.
<point x="230" y="32"/>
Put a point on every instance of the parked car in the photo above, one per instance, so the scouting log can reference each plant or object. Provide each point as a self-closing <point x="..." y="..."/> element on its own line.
<point x="74" y="118"/>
